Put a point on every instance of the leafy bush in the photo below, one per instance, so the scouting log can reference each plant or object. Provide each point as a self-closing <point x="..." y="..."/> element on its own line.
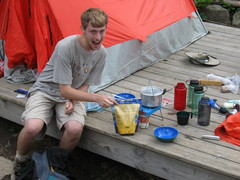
<point x="203" y="3"/>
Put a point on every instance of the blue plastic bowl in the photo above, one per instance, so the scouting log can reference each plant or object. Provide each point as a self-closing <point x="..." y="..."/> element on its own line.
<point x="125" y="96"/>
<point x="165" y="134"/>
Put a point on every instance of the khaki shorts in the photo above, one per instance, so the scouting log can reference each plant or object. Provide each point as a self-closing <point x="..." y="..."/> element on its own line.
<point x="43" y="106"/>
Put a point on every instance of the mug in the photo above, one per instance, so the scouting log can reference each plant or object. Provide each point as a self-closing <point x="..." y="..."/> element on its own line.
<point x="183" y="116"/>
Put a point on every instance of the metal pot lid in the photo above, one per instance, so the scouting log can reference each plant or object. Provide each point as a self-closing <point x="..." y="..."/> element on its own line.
<point x="151" y="91"/>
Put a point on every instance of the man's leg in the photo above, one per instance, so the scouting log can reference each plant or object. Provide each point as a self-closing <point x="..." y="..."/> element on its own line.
<point x="40" y="107"/>
<point x="27" y="136"/>
<point x="71" y="136"/>
<point x="24" y="145"/>
<point x="71" y="124"/>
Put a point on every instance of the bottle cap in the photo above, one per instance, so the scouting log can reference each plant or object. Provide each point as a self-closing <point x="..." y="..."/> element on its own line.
<point x="205" y="99"/>
<point x="194" y="82"/>
<point x="198" y="88"/>
<point x="181" y="85"/>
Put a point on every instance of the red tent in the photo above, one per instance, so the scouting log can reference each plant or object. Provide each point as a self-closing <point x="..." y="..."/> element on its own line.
<point x="31" y="29"/>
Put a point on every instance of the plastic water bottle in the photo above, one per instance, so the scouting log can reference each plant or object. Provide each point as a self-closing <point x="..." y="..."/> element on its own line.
<point x="204" y="111"/>
<point x="198" y="93"/>
<point x="180" y="93"/>
<point x="191" y="86"/>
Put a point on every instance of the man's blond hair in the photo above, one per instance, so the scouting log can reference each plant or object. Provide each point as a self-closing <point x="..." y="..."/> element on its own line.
<point x="95" y="16"/>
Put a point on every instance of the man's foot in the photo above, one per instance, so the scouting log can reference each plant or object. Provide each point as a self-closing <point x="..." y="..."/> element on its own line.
<point x="19" y="168"/>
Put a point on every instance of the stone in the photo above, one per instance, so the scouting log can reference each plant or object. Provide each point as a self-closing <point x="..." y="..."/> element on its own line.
<point x="217" y="13"/>
<point x="236" y="19"/>
<point x="6" y="167"/>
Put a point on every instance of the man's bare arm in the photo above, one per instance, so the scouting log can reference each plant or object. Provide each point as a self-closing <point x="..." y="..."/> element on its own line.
<point x="82" y="95"/>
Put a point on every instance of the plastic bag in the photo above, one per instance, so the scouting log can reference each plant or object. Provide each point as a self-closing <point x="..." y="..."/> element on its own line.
<point x="229" y="83"/>
<point x="126" y="116"/>
<point x="234" y="85"/>
<point x="93" y="107"/>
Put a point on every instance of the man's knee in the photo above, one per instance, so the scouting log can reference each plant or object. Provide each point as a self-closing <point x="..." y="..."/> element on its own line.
<point x="33" y="127"/>
<point x="73" y="128"/>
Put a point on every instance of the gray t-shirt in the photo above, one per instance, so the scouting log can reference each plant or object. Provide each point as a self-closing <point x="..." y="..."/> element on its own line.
<point x="70" y="64"/>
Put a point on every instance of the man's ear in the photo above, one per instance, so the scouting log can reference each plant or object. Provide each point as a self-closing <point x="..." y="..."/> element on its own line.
<point x="82" y="28"/>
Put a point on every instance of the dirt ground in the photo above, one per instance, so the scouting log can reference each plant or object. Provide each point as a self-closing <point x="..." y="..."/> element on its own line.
<point x="86" y="165"/>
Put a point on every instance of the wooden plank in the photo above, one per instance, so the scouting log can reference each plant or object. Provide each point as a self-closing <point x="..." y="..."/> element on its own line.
<point x="223" y="29"/>
<point x="226" y="36"/>
<point x="230" y="40"/>
<point x="11" y="111"/>
<point x="211" y="48"/>
<point x="7" y="91"/>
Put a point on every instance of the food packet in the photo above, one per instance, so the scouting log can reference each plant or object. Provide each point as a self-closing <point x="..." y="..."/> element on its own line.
<point x="126" y="116"/>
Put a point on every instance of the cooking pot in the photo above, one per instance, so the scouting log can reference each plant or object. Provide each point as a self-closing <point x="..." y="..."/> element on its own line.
<point x="151" y="96"/>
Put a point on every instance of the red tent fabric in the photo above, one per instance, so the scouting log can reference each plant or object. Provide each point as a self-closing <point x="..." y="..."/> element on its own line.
<point x="34" y="27"/>
<point x="4" y="14"/>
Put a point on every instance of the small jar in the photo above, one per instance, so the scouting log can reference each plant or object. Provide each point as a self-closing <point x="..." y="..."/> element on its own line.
<point x="143" y="121"/>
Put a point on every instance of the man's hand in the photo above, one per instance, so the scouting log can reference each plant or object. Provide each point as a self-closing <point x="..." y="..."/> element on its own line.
<point x="69" y="107"/>
<point x="106" y="101"/>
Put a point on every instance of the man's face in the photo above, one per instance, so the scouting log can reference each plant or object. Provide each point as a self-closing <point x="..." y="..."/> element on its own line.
<point x="94" y="36"/>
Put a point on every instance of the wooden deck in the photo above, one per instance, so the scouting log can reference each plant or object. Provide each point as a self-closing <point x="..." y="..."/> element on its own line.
<point x="188" y="157"/>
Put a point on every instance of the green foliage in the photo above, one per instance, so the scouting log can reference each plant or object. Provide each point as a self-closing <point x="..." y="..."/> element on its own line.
<point x="228" y="6"/>
<point x="203" y="3"/>
<point x="203" y="15"/>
